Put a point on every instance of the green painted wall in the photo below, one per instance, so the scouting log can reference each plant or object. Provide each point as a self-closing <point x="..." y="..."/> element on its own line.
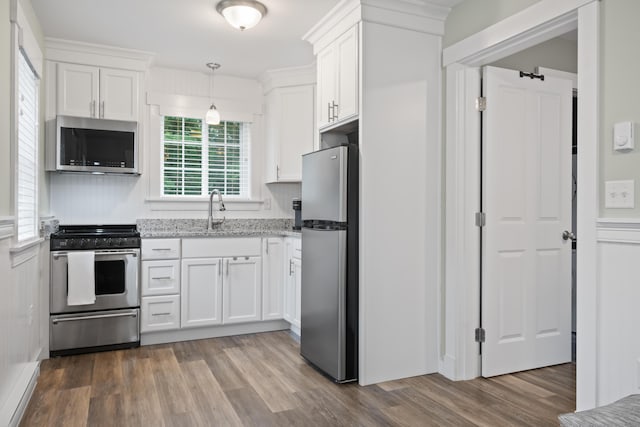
<point x="474" y="15"/>
<point x="620" y="95"/>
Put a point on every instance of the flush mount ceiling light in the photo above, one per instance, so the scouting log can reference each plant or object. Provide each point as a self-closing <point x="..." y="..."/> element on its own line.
<point x="213" y="116"/>
<point x="242" y="14"/>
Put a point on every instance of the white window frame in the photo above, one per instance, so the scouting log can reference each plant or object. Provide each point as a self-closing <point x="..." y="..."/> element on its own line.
<point x="24" y="43"/>
<point x="205" y="144"/>
<point x="26" y="168"/>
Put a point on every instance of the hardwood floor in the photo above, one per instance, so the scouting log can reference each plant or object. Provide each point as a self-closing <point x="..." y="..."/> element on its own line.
<point x="260" y="380"/>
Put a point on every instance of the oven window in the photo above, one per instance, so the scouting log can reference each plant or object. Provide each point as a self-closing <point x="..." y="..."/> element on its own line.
<point x="110" y="277"/>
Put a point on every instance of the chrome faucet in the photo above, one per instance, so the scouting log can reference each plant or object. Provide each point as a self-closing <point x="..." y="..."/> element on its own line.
<point x="210" y="221"/>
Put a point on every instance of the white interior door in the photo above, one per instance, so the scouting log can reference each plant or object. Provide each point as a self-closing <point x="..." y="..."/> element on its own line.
<point x="526" y="197"/>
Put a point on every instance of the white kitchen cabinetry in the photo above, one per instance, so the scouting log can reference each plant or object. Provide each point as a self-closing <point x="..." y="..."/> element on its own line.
<point x="273" y="272"/>
<point x="338" y="80"/>
<point x="242" y="292"/>
<point x="290" y="123"/>
<point x="221" y="281"/>
<point x="160" y="307"/>
<point x="104" y="93"/>
<point x="160" y="277"/>
<point x="160" y="313"/>
<point x="201" y="292"/>
<point x="293" y="282"/>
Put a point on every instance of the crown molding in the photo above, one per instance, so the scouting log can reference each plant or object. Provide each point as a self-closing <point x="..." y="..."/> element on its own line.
<point x="418" y="15"/>
<point x="285" y="77"/>
<point x="61" y="50"/>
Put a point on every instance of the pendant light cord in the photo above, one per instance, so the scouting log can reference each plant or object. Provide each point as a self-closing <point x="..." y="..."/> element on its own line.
<point x="214" y="66"/>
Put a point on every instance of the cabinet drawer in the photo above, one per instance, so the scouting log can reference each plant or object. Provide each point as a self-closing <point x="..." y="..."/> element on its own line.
<point x="220" y="247"/>
<point x="160" y="313"/>
<point x="160" y="277"/>
<point x="160" y="249"/>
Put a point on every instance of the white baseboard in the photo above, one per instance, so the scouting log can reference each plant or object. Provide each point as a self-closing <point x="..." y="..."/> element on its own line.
<point x="12" y="412"/>
<point x="188" y="334"/>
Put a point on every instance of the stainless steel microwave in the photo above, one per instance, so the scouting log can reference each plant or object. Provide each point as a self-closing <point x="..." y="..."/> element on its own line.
<point x="76" y="144"/>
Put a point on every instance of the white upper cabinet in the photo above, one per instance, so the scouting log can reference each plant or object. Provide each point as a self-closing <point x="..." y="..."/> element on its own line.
<point x="104" y="93"/>
<point x="338" y="80"/>
<point x="78" y="87"/>
<point x="290" y="131"/>
<point x="118" y="94"/>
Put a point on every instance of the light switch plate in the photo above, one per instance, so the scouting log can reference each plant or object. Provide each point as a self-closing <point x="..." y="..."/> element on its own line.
<point x="623" y="136"/>
<point x="619" y="194"/>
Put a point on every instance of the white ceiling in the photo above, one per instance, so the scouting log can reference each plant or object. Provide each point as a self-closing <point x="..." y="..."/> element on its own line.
<point x="187" y="34"/>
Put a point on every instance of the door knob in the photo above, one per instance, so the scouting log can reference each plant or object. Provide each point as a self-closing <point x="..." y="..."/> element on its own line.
<point x="568" y="235"/>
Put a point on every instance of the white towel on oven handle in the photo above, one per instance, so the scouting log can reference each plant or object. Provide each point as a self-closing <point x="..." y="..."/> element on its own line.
<point x="81" y="280"/>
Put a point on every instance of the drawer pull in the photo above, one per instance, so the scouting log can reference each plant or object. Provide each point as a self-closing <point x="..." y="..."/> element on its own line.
<point x="161" y="314"/>
<point x="161" y="249"/>
<point x="162" y="278"/>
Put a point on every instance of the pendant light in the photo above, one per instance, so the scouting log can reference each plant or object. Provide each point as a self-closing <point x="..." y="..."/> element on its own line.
<point x="242" y="14"/>
<point x="213" y="115"/>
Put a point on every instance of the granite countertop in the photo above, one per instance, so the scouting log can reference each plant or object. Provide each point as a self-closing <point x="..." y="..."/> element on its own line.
<point x="229" y="228"/>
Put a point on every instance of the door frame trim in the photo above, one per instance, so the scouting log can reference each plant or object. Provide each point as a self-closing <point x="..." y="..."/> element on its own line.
<point x="459" y="358"/>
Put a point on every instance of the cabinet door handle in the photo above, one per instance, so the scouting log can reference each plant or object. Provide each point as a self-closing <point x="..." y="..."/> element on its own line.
<point x="102" y="109"/>
<point x="267" y="246"/>
<point x="335" y="110"/>
<point x="329" y="113"/>
<point x="220" y="268"/>
<point x="277" y="172"/>
<point x="290" y="267"/>
<point x="227" y="268"/>
<point x="93" y="108"/>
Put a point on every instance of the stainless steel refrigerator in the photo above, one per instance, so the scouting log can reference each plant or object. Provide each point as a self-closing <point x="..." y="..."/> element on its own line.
<point x="329" y="300"/>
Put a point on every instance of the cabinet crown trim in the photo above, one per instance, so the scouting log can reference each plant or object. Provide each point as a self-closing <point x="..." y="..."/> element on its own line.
<point x="418" y="15"/>
<point x="71" y="51"/>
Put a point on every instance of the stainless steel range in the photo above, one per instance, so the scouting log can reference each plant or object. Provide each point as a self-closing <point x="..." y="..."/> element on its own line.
<point x="95" y="291"/>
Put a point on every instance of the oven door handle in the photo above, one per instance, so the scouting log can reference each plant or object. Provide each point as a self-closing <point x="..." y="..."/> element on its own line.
<point x="97" y="253"/>
<point x="100" y="316"/>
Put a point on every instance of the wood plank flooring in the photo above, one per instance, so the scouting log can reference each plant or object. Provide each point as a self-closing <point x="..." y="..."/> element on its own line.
<point x="261" y="380"/>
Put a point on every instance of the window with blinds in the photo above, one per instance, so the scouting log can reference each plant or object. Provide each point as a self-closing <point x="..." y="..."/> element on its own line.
<point x="27" y="152"/>
<point x="200" y="157"/>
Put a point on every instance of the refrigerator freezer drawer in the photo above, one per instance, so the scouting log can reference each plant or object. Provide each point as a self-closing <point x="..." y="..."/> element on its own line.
<point x="324" y="185"/>
<point x="94" y="329"/>
<point x="323" y="302"/>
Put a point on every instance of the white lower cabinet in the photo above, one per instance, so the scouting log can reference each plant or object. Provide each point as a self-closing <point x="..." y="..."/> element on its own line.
<point x="273" y="270"/>
<point x="293" y="281"/>
<point x="160" y="285"/>
<point x="201" y="292"/>
<point x="195" y="283"/>
<point x="161" y="277"/>
<point x="218" y="289"/>
<point x="242" y="290"/>
<point x="160" y="313"/>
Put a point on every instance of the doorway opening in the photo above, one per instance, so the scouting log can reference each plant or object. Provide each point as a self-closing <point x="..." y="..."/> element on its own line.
<point x="460" y="298"/>
<point x="527" y="199"/>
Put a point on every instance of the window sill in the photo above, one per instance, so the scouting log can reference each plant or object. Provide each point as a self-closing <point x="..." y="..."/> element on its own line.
<point x="24" y="251"/>
<point x="200" y="203"/>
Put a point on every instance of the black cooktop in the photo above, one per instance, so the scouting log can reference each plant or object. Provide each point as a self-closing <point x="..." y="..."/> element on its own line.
<point x="87" y="237"/>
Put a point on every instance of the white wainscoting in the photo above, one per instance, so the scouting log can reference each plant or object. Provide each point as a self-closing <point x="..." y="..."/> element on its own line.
<point x="20" y="320"/>
<point x="618" y="313"/>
